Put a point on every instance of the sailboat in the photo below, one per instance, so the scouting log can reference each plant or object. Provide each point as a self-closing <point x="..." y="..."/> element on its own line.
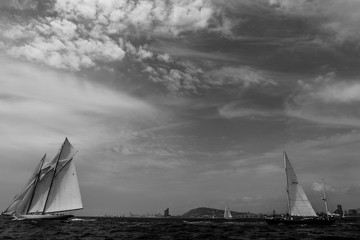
<point x="52" y="190"/>
<point x="227" y="213"/>
<point x="300" y="210"/>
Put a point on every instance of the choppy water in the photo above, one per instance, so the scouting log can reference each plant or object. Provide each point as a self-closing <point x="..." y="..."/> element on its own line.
<point x="120" y="228"/>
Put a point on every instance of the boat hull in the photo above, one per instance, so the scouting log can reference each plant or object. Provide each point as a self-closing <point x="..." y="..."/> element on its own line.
<point x="44" y="217"/>
<point x="300" y="221"/>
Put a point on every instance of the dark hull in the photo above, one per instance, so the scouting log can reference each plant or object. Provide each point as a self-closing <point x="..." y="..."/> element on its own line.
<point x="43" y="217"/>
<point x="300" y="221"/>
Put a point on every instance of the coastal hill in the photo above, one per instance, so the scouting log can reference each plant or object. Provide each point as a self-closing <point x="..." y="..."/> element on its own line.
<point x="204" y="212"/>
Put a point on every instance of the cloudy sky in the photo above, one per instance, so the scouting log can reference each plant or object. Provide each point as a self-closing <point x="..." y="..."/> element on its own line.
<point x="183" y="103"/>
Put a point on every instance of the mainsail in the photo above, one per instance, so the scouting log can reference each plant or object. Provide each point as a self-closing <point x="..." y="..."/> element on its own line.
<point x="52" y="188"/>
<point x="298" y="203"/>
<point x="227" y="213"/>
<point x="300" y="211"/>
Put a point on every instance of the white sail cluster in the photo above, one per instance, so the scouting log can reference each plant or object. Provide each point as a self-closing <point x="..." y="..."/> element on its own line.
<point x="299" y="205"/>
<point x="227" y="213"/>
<point x="52" y="188"/>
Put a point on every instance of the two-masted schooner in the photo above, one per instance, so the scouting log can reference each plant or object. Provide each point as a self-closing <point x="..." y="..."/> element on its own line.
<point x="51" y="191"/>
<point x="300" y="210"/>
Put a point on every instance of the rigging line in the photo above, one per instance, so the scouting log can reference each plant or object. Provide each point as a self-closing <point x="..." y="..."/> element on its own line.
<point x="52" y="179"/>
<point x="70" y="159"/>
<point x="287" y="184"/>
<point x="36" y="183"/>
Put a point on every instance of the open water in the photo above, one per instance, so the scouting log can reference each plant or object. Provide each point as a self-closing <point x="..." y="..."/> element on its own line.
<point x="121" y="228"/>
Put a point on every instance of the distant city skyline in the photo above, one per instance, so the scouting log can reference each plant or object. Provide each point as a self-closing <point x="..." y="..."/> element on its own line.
<point x="183" y="104"/>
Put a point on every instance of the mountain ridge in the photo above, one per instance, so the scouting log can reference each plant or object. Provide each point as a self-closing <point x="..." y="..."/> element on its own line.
<point x="201" y="212"/>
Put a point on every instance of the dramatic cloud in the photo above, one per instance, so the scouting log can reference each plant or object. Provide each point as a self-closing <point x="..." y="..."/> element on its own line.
<point x="81" y="34"/>
<point x="58" y="44"/>
<point x="171" y="17"/>
<point x="327" y="100"/>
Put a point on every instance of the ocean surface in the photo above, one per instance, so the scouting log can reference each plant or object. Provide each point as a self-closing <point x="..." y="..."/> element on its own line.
<point x="122" y="228"/>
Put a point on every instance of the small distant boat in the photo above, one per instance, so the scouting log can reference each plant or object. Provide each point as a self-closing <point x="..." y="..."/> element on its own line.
<point x="227" y="213"/>
<point x="300" y="210"/>
<point x="52" y="190"/>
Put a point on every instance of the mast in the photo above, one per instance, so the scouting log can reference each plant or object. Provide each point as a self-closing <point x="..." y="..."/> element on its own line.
<point x="36" y="182"/>
<point x="52" y="179"/>
<point x="325" y="200"/>
<point x="287" y="184"/>
<point x="298" y="203"/>
<point x="227" y="213"/>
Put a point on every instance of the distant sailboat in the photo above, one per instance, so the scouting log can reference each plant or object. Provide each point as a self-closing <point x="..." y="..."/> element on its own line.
<point x="300" y="210"/>
<point x="328" y="213"/>
<point x="52" y="189"/>
<point x="227" y="213"/>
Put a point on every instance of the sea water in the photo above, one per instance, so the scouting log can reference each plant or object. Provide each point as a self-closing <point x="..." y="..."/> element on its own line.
<point x="122" y="228"/>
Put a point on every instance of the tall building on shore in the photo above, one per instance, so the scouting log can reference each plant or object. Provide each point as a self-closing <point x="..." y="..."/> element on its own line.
<point x="166" y="213"/>
<point x="339" y="210"/>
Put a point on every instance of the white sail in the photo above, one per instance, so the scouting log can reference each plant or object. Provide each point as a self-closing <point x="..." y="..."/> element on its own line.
<point x="41" y="193"/>
<point x="65" y="192"/>
<point x="44" y="184"/>
<point x="299" y="205"/>
<point x="52" y="188"/>
<point x="227" y="213"/>
<point x="21" y="202"/>
<point x="24" y="203"/>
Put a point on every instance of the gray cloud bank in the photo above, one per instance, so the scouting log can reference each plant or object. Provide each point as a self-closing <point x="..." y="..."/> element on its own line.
<point x="78" y="34"/>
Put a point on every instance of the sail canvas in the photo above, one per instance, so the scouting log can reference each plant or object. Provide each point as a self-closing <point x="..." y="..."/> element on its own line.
<point x="53" y="187"/>
<point x="299" y="205"/>
<point x="227" y="213"/>
<point x="41" y="191"/>
<point x="40" y="194"/>
<point x="300" y="211"/>
<point x="65" y="193"/>
<point x="22" y="200"/>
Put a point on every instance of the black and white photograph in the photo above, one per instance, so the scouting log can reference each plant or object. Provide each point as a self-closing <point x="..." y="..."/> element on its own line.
<point x="179" y="119"/>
